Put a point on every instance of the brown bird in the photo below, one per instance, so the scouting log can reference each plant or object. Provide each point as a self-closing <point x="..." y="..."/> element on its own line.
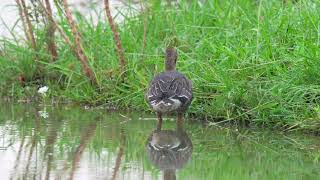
<point x="170" y="91"/>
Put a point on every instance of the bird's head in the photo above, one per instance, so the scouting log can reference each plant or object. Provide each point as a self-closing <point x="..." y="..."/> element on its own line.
<point x="171" y="59"/>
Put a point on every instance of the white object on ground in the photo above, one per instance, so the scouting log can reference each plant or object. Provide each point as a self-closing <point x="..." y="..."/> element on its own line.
<point x="43" y="89"/>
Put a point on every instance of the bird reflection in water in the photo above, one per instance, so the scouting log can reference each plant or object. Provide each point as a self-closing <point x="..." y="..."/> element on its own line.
<point x="169" y="150"/>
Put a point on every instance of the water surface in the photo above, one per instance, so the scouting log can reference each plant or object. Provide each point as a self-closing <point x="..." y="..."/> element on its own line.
<point x="69" y="142"/>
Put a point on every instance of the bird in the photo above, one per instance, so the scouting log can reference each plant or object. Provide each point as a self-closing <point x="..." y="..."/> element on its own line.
<point x="170" y="91"/>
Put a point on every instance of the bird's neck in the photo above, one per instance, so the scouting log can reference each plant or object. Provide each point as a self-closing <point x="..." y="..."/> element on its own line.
<point x="170" y="67"/>
<point x="170" y="64"/>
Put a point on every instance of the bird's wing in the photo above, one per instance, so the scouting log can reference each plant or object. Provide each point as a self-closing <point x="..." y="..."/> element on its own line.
<point x="181" y="89"/>
<point x="158" y="88"/>
<point x="166" y="86"/>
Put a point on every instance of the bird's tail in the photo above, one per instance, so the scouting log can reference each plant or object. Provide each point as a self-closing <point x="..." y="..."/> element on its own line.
<point x="166" y="105"/>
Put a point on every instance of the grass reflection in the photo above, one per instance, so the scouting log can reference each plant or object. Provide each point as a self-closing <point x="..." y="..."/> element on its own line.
<point x="75" y="143"/>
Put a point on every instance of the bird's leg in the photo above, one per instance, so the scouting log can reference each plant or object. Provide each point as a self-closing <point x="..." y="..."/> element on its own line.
<point x="159" y="124"/>
<point x="180" y="121"/>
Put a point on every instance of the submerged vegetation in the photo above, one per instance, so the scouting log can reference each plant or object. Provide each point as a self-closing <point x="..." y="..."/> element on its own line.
<point x="250" y="61"/>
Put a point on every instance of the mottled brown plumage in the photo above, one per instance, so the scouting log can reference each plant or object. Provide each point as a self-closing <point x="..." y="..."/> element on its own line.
<point x="170" y="91"/>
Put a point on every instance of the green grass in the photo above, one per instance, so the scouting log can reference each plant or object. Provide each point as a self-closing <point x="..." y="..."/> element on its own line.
<point x="248" y="60"/>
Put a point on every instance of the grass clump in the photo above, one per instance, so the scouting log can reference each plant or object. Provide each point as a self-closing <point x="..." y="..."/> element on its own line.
<point x="253" y="61"/>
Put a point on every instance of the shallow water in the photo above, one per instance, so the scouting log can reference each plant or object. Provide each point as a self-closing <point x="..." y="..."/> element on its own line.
<point x="68" y="142"/>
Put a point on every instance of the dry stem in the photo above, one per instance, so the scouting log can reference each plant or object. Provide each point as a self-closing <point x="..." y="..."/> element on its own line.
<point x="116" y="36"/>
<point x="79" y="50"/>
<point x="23" y="20"/>
<point x="50" y="32"/>
<point x="29" y="29"/>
